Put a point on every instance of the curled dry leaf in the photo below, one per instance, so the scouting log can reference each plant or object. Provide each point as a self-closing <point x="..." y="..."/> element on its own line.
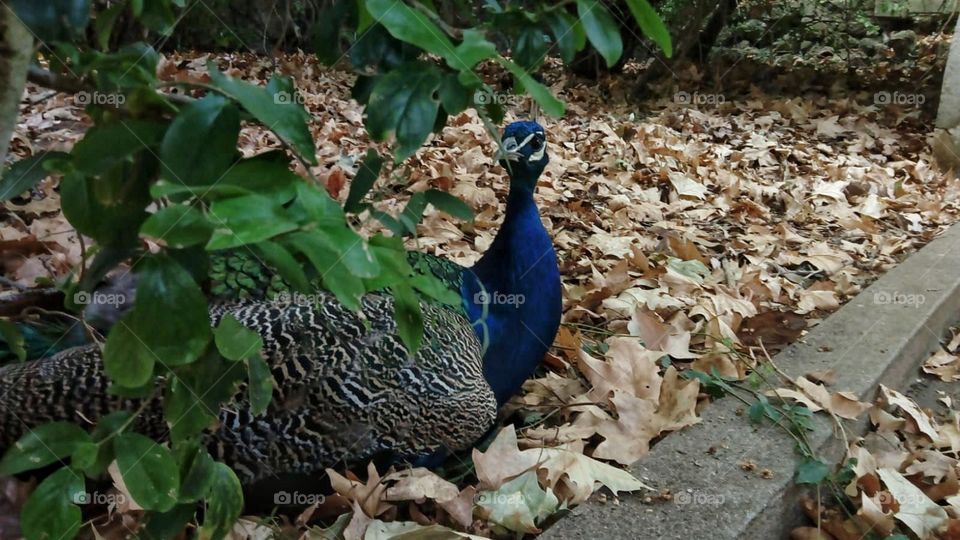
<point x="917" y="511"/>
<point x="924" y="423"/>
<point x="816" y="397"/>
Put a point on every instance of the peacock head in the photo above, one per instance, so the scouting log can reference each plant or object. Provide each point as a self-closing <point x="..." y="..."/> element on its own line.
<point x="524" y="153"/>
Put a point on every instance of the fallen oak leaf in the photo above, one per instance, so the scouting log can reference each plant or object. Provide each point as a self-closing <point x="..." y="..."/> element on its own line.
<point x="628" y="366"/>
<point x="418" y="484"/>
<point x="519" y="504"/>
<point x="627" y="438"/>
<point x="921" y="419"/>
<point x="920" y="514"/>
<point x="581" y="473"/>
<point x="410" y="530"/>
<point x="502" y="460"/>
<point x="871" y="511"/>
<point x="369" y="495"/>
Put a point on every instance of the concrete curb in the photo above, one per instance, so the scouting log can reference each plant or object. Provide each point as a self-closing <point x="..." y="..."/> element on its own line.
<point x="866" y="342"/>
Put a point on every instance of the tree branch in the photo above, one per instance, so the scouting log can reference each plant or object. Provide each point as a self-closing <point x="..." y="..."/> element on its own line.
<point x="71" y="85"/>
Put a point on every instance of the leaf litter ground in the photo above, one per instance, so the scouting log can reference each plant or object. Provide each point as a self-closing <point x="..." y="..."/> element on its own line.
<point x="687" y="237"/>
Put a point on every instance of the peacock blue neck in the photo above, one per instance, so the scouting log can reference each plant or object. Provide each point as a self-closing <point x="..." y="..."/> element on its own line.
<point x="521" y="285"/>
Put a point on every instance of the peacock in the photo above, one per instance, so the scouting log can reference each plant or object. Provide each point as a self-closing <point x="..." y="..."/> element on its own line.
<point x="346" y="387"/>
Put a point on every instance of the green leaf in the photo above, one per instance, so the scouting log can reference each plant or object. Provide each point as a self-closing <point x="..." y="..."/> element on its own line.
<point x="812" y="471"/>
<point x="408" y="24"/>
<point x="195" y="394"/>
<point x="530" y="48"/>
<point x="149" y="471"/>
<point x="393" y="263"/>
<point x="41" y="446"/>
<point x="260" y="389"/>
<point x="165" y="288"/>
<point x="404" y="103"/>
<point x="567" y="34"/>
<point x="13" y="337"/>
<point x="651" y="25"/>
<point x="336" y="278"/>
<point x="246" y="220"/>
<point x="224" y="503"/>
<point x="178" y="225"/>
<point x="151" y="333"/>
<point x="196" y="470"/>
<point x="540" y="93"/>
<point x="278" y="111"/>
<point x="50" y="513"/>
<point x="126" y="358"/>
<point x="266" y="174"/>
<point x="186" y="411"/>
<point x="84" y="458"/>
<point x="413" y="212"/>
<point x="434" y="288"/>
<point x="157" y="15"/>
<point x="449" y="204"/>
<point x="454" y="96"/>
<point x="601" y="29"/>
<point x="314" y="205"/>
<point x="201" y="142"/>
<point x="26" y="173"/>
<point x="107" y="426"/>
<point x="472" y="50"/>
<point x="760" y="409"/>
<point x="235" y="341"/>
<point x="285" y="264"/>
<point x="351" y="249"/>
<point x="110" y="207"/>
<point x="104" y="22"/>
<point x="103" y="146"/>
<point x="407" y="314"/>
<point x="366" y="175"/>
<point x="170" y="524"/>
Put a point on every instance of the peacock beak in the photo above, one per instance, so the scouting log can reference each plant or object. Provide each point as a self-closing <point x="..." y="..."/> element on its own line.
<point x="508" y="155"/>
<point x="514" y="155"/>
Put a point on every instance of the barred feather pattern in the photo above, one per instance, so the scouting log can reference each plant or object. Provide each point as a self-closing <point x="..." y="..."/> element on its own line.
<point x="346" y="389"/>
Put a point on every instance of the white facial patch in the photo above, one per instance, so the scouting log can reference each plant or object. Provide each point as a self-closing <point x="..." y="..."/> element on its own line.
<point x="538" y="155"/>
<point x="510" y="145"/>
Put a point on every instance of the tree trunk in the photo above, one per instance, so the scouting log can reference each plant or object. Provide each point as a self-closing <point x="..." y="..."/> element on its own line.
<point x="946" y="143"/>
<point x="16" y="49"/>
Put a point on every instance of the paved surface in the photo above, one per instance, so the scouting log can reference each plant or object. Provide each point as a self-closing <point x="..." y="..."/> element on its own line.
<point x="715" y="469"/>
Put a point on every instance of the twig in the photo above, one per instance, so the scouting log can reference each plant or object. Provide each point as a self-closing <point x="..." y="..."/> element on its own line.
<point x="72" y="85"/>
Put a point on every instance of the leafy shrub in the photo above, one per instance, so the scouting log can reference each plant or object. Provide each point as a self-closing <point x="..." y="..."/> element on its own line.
<point x="168" y="168"/>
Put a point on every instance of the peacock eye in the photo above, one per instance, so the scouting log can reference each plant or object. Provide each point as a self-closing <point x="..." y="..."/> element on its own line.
<point x="537" y="142"/>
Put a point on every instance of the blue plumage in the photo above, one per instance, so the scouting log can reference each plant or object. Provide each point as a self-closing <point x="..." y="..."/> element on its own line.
<point x="515" y="298"/>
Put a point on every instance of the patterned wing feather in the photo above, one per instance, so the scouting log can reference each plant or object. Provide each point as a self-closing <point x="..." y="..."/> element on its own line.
<point x="346" y="389"/>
